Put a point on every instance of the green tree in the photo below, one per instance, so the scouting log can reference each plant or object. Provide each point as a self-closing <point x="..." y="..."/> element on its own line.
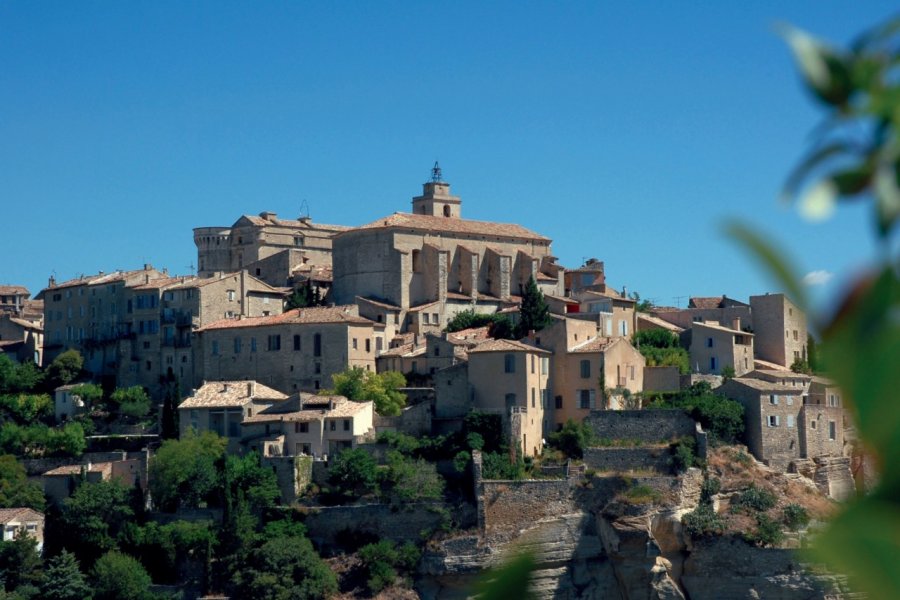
<point x="573" y="438"/>
<point x="412" y="480"/>
<point x="382" y="389"/>
<point x="285" y="568"/>
<point x="27" y="408"/>
<point x="93" y="516"/>
<point x="63" y="579"/>
<point x="185" y="472"/>
<point x="65" y="368"/>
<point x="90" y="393"/>
<point x="169" y="425"/>
<point x="20" y="563"/>
<point x="18" y="377"/>
<point x="117" y="576"/>
<point x="131" y="402"/>
<point x="499" y="325"/>
<point x="15" y="488"/>
<point x="721" y="417"/>
<point x="354" y="473"/>
<point x="534" y="314"/>
<point x="382" y="560"/>
<point x="662" y="348"/>
<point x="305" y="296"/>
<point x="641" y="305"/>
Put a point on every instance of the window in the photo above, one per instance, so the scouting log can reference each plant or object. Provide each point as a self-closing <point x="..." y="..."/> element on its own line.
<point x="533" y="398"/>
<point x="631" y="372"/>
<point x="545" y="365"/>
<point x="317" y="368"/>
<point x="274" y="343"/>
<point x="790" y="420"/>
<point x="435" y="319"/>
<point x="709" y="342"/>
<point x="587" y="399"/>
<point x="425" y="317"/>
<point x="510" y="400"/>
<point x="296" y="343"/>
<point x="773" y="398"/>
<point x="215" y="348"/>
<point x="509" y="363"/>
<point x="369" y="346"/>
<point x="317" y="344"/>
<point x="414" y="367"/>
<point x="301" y="427"/>
<point x="230" y="294"/>
<point x="774" y="420"/>
<point x="713" y="364"/>
<point x="789" y="400"/>
<point x="812" y="424"/>
<point x="346" y="424"/>
<point x="832" y="400"/>
<point x="623" y="327"/>
<point x="253" y="344"/>
<point x="558" y="402"/>
<point x="332" y="425"/>
<point x="795" y="335"/>
<point x="832" y="430"/>
<point x="355" y="347"/>
<point x="585" y="369"/>
<point x="237" y="345"/>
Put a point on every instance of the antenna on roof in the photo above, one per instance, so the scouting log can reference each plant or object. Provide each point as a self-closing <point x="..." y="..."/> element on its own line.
<point x="436" y="175"/>
<point x="304" y="209"/>
<point x="191" y="267"/>
<point x="678" y="300"/>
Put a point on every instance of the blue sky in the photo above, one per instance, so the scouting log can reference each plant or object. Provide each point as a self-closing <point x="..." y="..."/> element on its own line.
<point x="623" y="131"/>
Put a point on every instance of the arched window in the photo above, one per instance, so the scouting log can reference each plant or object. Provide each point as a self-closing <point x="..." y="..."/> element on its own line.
<point x="446" y="210"/>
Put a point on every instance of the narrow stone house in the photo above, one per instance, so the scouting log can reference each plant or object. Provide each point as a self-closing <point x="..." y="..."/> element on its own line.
<point x="715" y="347"/>
<point x="22" y="521"/>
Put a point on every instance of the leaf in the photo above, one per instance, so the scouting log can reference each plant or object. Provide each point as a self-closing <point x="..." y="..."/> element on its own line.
<point x="772" y="259"/>
<point x="887" y="196"/>
<point x="863" y="542"/>
<point x="875" y="35"/>
<point x="851" y="182"/>
<point x="861" y="351"/>
<point x="508" y="581"/>
<point x="810" y="162"/>
<point x="827" y="74"/>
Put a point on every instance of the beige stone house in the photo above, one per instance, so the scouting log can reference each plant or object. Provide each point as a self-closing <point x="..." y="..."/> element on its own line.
<point x="22" y="521"/>
<point x="589" y="276"/>
<point x="13" y="298"/>
<point x="67" y="405"/>
<point x="715" y="347"/>
<point x="614" y="314"/>
<point x="310" y="425"/>
<point x="298" y="350"/>
<point x="512" y="379"/>
<point x="780" y="328"/>
<point x="21" y="339"/>
<point x="432" y="263"/>
<point x="780" y="424"/>
<point x="221" y="406"/>
<point x="59" y="483"/>
<point x="270" y="248"/>
<point x="701" y="309"/>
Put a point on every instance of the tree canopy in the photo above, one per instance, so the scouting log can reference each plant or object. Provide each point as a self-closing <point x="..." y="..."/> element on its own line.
<point x="360" y="385"/>
<point x="184" y="472"/>
<point x="534" y="314"/>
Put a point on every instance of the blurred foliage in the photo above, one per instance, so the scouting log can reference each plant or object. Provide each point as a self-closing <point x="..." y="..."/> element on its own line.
<point x="855" y="156"/>
<point x="359" y="385"/>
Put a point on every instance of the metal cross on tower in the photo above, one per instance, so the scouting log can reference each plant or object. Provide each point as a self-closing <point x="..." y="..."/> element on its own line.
<point x="436" y="173"/>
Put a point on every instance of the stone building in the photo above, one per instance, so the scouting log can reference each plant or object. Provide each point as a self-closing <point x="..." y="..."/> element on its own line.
<point x="614" y="313"/>
<point x="298" y="350"/>
<point x="67" y="405"/>
<point x="221" y="406"/>
<point x="510" y="378"/>
<point x="720" y="309"/>
<point x="310" y="425"/>
<point x="589" y="276"/>
<point x="90" y="314"/>
<point x="780" y="328"/>
<point x="780" y="424"/>
<point x="430" y="264"/>
<point x="22" y="521"/>
<point x="13" y="298"/>
<point x="269" y="248"/>
<point x="21" y="339"/>
<point x="59" y="483"/>
<point x="715" y="347"/>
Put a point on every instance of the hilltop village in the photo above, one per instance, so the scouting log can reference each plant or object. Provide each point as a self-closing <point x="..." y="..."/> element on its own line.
<point x="326" y="410"/>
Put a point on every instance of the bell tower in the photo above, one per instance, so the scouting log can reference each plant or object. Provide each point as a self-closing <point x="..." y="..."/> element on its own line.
<point x="436" y="199"/>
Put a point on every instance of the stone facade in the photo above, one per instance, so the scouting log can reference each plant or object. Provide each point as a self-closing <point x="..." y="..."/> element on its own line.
<point x="621" y="460"/>
<point x="297" y="351"/>
<point x="780" y="328"/>
<point x="435" y="256"/>
<point x="22" y="340"/>
<point x="268" y="247"/>
<point x="645" y="425"/>
<point x="715" y="347"/>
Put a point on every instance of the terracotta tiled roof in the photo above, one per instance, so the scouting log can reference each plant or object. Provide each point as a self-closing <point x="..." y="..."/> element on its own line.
<point x="766" y="386"/>
<point x="404" y="351"/>
<point x="711" y="325"/>
<point x="379" y="303"/>
<point x="472" y="334"/>
<point x="766" y="365"/>
<point x="706" y="302"/>
<point x="506" y="346"/>
<point x="422" y="306"/>
<point x="544" y="277"/>
<point x="222" y="394"/>
<point x="101" y="467"/>
<point x="14" y="290"/>
<point x="297" y="224"/>
<point x="561" y="299"/>
<point x="162" y="282"/>
<point x="198" y="282"/>
<point x="26" y="324"/>
<point x="660" y="323"/>
<point x="19" y="514"/>
<point x="451" y="225"/>
<point x="597" y="344"/>
<point x="320" y="314"/>
<point x="343" y="408"/>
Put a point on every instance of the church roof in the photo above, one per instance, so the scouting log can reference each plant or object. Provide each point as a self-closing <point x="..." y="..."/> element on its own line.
<point x="451" y="225"/>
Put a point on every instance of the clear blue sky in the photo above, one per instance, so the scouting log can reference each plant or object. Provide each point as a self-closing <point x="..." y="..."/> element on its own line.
<point x="623" y="131"/>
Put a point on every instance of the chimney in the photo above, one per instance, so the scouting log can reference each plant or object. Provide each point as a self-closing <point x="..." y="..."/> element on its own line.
<point x="250" y="389"/>
<point x="148" y="266"/>
<point x="736" y="323"/>
<point x="52" y="282"/>
<point x="224" y="387"/>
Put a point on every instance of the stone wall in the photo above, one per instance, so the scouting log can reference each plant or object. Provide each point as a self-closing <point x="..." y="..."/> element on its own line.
<point x="413" y="420"/>
<point x="39" y="466"/>
<point x="327" y="525"/>
<point x="662" y="379"/>
<point x="643" y="425"/>
<point x="293" y="473"/>
<point x="628" y="459"/>
<point x="510" y="506"/>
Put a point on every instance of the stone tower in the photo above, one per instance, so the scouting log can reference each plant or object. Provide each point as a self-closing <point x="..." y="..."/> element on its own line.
<point x="436" y="199"/>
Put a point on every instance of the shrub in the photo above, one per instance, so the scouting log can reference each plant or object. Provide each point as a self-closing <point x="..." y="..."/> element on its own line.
<point x="381" y="561"/>
<point x="573" y="438"/>
<point x="461" y="461"/>
<point x="684" y="455"/>
<point x="498" y="466"/>
<point x="710" y="488"/>
<point x="795" y="517"/>
<point x="642" y="494"/>
<point x="755" y="499"/>
<point x="703" y="521"/>
<point x="354" y="473"/>
<point x="768" y="531"/>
